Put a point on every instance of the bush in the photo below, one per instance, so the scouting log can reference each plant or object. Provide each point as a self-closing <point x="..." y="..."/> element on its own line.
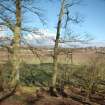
<point x="35" y="74"/>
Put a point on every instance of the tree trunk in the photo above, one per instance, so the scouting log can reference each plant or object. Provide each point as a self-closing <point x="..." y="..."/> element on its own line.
<point x="55" y="58"/>
<point x="1" y="81"/>
<point x="15" y="55"/>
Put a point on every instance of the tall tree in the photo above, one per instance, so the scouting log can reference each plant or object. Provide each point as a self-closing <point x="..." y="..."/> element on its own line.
<point x="65" y="6"/>
<point x="12" y="15"/>
<point x="55" y="58"/>
<point x="16" y="44"/>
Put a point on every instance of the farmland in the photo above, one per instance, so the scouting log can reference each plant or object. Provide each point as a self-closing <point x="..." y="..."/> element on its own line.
<point x="44" y="55"/>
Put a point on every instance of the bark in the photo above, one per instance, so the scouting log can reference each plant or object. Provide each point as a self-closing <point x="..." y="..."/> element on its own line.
<point x="1" y="81"/>
<point x="15" y="55"/>
<point x="55" y="58"/>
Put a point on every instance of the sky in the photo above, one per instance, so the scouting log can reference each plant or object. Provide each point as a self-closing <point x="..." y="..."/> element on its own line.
<point x="93" y="15"/>
<point x="94" y="22"/>
<point x="92" y="12"/>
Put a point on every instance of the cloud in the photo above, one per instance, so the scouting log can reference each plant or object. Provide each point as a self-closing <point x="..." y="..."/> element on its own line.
<point x="45" y="37"/>
<point x="42" y="37"/>
<point x="2" y="34"/>
<point x="46" y="34"/>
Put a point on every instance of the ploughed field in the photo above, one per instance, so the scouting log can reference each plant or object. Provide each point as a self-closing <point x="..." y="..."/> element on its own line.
<point x="66" y="55"/>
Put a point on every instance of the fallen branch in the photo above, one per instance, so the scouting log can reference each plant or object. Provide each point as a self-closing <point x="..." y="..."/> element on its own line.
<point x="7" y="94"/>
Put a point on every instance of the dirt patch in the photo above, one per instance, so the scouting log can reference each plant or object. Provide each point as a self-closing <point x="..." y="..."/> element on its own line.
<point x="56" y="101"/>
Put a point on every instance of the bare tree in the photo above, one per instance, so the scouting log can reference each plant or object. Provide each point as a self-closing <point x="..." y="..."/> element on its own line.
<point x="55" y="58"/>
<point x="16" y="44"/>
<point x="12" y="16"/>
<point x="64" y="12"/>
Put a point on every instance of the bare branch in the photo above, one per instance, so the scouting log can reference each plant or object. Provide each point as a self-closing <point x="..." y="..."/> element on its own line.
<point x="38" y="13"/>
<point x="31" y="48"/>
<point x="6" y="8"/>
<point x="8" y="23"/>
<point x="70" y="3"/>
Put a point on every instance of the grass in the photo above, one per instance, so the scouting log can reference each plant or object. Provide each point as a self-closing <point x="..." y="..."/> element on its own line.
<point x="35" y="72"/>
<point x="28" y="89"/>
